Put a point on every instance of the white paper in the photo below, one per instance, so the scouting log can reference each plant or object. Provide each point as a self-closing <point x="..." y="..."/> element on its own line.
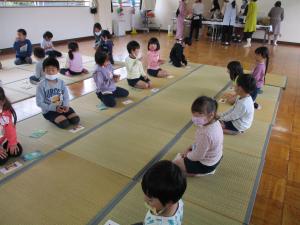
<point x="76" y="129"/>
<point x="110" y="222"/>
<point x="154" y="90"/>
<point x="10" y="167"/>
<point x="127" y="102"/>
<point x="170" y="76"/>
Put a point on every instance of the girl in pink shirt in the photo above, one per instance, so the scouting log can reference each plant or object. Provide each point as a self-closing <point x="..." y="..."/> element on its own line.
<point x="154" y="60"/>
<point x="260" y="71"/>
<point x="74" y="61"/>
<point x="9" y="146"/>
<point x="205" y="154"/>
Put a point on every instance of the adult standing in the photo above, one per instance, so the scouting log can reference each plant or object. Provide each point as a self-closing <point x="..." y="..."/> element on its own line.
<point x="181" y="11"/>
<point x="196" y="23"/>
<point x="251" y="21"/>
<point x="229" y="11"/>
<point x="277" y="15"/>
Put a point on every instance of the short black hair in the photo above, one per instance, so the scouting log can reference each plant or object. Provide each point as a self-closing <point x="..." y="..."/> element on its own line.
<point x="247" y="82"/>
<point x="235" y="69"/>
<point x="50" y="61"/>
<point x="133" y="45"/>
<point x="22" y="31"/>
<point x="205" y="105"/>
<point x="164" y="181"/>
<point x="97" y="25"/>
<point x="278" y="4"/>
<point x="39" y="52"/>
<point x="105" y="33"/>
<point x="187" y="41"/>
<point x="47" y="34"/>
<point x="154" y="41"/>
<point x="101" y="57"/>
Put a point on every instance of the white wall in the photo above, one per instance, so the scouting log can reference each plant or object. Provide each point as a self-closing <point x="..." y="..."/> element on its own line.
<point x="63" y="22"/>
<point x="290" y="33"/>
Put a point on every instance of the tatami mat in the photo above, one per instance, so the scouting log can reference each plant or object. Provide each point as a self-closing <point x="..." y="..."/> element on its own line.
<point x="228" y="191"/>
<point x="132" y="210"/>
<point x="275" y="80"/>
<point x="9" y="64"/>
<point x="14" y="74"/>
<point x="62" y="189"/>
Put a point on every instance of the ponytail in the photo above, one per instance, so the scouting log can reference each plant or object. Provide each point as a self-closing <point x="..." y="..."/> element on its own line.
<point x="73" y="47"/>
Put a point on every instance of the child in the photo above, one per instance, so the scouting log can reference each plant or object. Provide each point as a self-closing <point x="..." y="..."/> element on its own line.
<point x="106" y="44"/>
<point x="97" y="34"/>
<point x="239" y="117"/>
<point x="105" y="80"/>
<point x="177" y="57"/>
<point x="235" y="69"/>
<point x="9" y="146"/>
<point x="53" y="98"/>
<point x="203" y="157"/>
<point x="259" y="72"/>
<point x="74" y="61"/>
<point x="136" y="76"/>
<point x="23" y="48"/>
<point x="154" y="60"/>
<point x="164" y="185"/>
<point x="0" y="66"/>
<point x="39" y="54"/>
<point x="47" y="45"/>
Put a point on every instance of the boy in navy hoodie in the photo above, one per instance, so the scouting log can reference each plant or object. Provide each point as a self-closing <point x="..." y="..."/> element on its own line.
<point x="23" y="48"/>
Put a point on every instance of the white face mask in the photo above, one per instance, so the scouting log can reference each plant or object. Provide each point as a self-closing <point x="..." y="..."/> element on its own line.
<point x="52" y="77"/>
<point x="98" y="33"/>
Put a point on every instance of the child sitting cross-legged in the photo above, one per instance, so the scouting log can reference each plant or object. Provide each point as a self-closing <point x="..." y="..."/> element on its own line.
<point x="205" y="154"/>
<point x="240" y="116"/>
<point x="52" y="97"/>
<point x="164" y="185"/>
<point x="105" y="80"/>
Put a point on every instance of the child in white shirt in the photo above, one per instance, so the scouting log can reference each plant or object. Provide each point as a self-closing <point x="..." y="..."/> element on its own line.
<point x="239" y="118"/>
<point x="136" y="76"/>
<point x="47" y="45"/>
<point x="164" y="185"/>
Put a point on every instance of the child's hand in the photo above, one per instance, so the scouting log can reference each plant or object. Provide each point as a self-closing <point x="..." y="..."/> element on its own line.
<point x="14" y="149"/>
<point x="3" y="153"/>
<point x="59" y="109"/>
<point x="66" y="109"/>
<point x="116" y="77"/>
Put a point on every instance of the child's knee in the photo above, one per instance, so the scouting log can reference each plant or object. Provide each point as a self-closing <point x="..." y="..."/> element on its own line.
<point x="74" y="120"/>
<point x="63" y="124"/>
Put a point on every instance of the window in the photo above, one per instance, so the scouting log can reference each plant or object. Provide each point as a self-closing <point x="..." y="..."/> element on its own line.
<point x="49" y="3"/>
<point x="126" y="3"/>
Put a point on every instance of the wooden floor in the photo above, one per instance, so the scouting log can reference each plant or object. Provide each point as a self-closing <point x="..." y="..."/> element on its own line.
<point x="278" y="198"/>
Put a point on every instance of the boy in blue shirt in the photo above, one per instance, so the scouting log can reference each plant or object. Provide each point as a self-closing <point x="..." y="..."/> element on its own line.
<point x="23" y="48"/>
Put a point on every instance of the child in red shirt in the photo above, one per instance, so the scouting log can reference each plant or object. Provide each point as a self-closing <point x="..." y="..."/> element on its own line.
<point x="9" y="146"/>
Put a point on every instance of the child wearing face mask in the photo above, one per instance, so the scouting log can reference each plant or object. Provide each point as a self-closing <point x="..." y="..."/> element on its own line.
<point x="164" y="185"/>
<point x="106" y="80"/>
<point x="154" y="60"/>
<point x="9" y="146"/>
<point x="136" y="76"/>
<point x="97" y="30"/>
<point x="240" y="116"/>
<point x="52" y="97"/>
<point x="203" y="157"/>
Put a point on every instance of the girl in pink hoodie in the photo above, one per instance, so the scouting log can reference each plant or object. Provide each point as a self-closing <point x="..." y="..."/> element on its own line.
<point x="9" y="146"/>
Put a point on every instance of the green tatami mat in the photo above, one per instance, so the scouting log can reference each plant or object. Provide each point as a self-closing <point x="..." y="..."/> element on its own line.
<point x="9" y="64"/>
<point x="121" y="146"/>
<point x="275" y="80"/>
<point x="62" y="189"/>
<point x="227" y="192"/>
<point x="15" y="96"/>
<point x="131" y="209"/>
